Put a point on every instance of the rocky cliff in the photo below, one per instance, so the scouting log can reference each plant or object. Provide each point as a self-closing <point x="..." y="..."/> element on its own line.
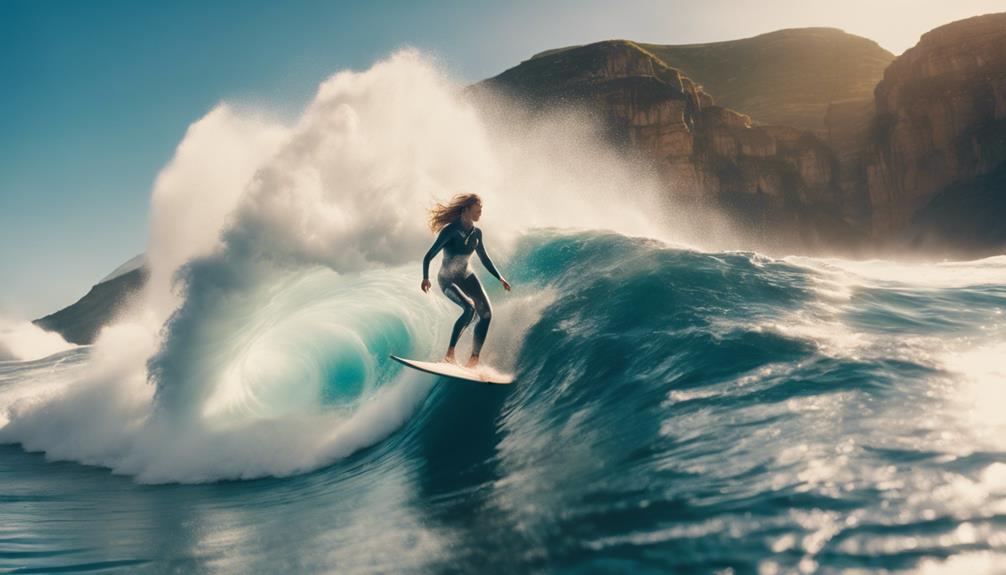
<point x="786" y="77"/>
<point x="80" y="322"/>
<point x="938" y="140"/>
<point x="919" y="164"/>
<point x="781" y="183"/>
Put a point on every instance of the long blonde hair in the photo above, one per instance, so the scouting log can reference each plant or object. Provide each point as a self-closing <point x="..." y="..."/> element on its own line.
<point x="444" y="214"/>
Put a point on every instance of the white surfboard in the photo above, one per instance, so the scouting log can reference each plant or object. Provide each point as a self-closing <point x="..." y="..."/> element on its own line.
<point x="480" y="374"/>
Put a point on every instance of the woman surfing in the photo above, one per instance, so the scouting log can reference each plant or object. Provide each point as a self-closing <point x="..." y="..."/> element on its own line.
<point x="458" y="238"/>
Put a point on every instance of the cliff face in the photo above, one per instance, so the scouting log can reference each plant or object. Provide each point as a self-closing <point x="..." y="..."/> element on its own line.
<point x="784" y="77"/>
<point x="646" y="102"/>
<point x="779" y="181"/>
<point x="910" y="165"/>
<point x="940" y="127"/>
<point x="847" y="133"/>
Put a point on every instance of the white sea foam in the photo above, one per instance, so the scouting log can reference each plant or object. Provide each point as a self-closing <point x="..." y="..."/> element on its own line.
<point x="948" y="274"/>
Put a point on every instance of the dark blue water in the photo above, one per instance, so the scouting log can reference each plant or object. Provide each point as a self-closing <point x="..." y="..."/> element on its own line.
<point x="673" y="411"/>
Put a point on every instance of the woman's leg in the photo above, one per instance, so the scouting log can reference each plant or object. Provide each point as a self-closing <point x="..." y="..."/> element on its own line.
<point x="473" y="289"/>
<point x="456" y="295"/>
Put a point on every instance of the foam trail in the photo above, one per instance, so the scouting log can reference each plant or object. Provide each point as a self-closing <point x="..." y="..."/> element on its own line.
<point x="276" y="290"/>
<point x="950" y="274"/>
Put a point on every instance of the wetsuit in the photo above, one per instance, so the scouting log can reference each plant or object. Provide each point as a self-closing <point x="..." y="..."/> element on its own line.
<point x="459" y="282"/>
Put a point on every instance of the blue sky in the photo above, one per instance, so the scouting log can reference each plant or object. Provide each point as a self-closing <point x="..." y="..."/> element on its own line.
<point x="96" y="94"/>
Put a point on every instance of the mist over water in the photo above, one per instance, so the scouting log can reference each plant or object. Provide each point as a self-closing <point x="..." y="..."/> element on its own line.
<point x="677" y="405"/>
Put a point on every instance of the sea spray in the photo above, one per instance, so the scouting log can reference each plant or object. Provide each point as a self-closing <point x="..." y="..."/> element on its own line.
<point x="24" y="341"/>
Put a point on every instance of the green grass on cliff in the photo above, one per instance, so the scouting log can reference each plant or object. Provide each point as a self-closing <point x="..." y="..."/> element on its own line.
<point x="786" y="77"/>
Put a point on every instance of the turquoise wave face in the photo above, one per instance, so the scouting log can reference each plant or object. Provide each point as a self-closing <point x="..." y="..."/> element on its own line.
<point x="283" y="342"/>
<point x="672" y="411"/>
<point x="318" y="343"/>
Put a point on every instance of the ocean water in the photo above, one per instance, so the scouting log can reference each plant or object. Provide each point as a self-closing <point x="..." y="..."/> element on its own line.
<point x="673" y="411"/>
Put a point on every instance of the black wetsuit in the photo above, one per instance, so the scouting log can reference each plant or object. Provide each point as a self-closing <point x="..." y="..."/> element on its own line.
<point x="459" y="282"/>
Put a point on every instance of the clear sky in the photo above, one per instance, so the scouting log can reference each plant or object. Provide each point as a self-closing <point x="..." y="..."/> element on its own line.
<point x="96" y="94"/>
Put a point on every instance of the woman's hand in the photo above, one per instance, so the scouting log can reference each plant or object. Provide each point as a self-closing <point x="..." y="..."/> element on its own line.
<point x="506" y="284"/>
<point x="425" y="286"/>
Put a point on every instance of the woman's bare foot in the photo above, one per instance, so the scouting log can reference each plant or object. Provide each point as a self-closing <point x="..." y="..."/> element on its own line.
<point x="473" y="361"/>
<point x="449" y="358"/>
